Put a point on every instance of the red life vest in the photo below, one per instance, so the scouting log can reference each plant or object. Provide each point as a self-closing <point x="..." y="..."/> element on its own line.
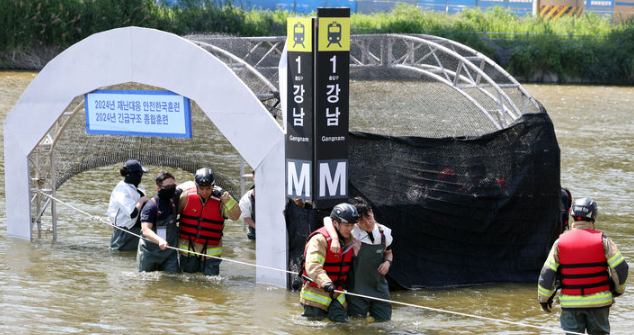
<point x="201" y="224"/>
<point x="336" y="267"/>
<point x="584" y="268"/>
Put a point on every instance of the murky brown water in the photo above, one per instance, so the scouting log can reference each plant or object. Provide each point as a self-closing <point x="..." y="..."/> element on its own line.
<point x="78" y="286"/>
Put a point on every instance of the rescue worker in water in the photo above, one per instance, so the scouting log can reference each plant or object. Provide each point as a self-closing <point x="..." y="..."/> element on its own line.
<point x="593" y="272"/>
<point x="325" y="271"/>
<point x="203" y="209"/>
<point x="372" y="261"/>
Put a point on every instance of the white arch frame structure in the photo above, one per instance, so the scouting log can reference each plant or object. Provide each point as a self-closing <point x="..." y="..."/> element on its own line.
<point x="129" y="55"/>
<point x="490" y="89"/>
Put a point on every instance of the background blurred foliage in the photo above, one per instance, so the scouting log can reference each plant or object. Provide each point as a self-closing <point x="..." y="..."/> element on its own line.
<point x="588" y="48"/>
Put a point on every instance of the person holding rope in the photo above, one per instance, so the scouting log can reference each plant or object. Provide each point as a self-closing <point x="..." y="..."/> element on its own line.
<point x="373" y="259"/>
<point x="124" y="209"/>
<point x="592" y="269"/>
<point x="203" y="209"/>
<point x="159" y="229"/>
<point x="325" y="271"/>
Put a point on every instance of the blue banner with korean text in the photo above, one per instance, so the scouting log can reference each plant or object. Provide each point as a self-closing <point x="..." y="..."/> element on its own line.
<point x="137" y="113"/>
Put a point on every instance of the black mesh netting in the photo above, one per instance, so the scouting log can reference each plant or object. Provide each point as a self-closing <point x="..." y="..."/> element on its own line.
<point x="462" y="210"/>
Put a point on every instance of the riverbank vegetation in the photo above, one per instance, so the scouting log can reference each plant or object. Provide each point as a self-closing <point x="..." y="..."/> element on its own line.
<point x="587" y="49"/>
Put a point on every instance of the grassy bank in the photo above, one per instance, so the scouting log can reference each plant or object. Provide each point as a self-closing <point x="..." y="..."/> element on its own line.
<point x="584" y="49"/>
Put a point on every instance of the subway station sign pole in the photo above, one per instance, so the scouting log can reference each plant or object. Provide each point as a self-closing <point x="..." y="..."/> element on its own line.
<point x="317" y="117"/>
<point x="332" y="89"/>
<point x="299" y="112"/>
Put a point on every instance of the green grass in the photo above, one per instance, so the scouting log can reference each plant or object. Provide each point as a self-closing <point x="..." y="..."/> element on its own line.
<point x="409" y="19"/>
<point x="588" y="47"/>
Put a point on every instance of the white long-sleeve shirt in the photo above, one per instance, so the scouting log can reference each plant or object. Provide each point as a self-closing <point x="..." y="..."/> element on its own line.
<point x="362" y="235"/>
<point x="122" y="203"/>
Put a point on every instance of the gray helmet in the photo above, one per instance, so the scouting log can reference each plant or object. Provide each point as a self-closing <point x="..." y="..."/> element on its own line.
<point x="345" y="213"/>
<point x="584" y="209"/>
<point x="204" y="177"/>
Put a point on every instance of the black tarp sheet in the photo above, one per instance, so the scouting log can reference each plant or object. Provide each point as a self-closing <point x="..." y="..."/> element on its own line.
<point x="463" y="211"/>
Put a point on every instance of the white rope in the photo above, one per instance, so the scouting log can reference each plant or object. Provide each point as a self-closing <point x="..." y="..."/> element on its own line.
<point x="169" y="247"/>
<point x="438" y="310"/>
<point x="462" y="314"/>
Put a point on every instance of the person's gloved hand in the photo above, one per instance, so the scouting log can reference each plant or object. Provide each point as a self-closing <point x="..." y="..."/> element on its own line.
<point x="547" y="306"/>
<point x="613" y="288"/>
<point x="330" y="288"/>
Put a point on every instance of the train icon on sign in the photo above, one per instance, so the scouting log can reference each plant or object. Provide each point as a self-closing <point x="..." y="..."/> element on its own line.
<point x="334" y="34"/>
<point x="298" y="34"/>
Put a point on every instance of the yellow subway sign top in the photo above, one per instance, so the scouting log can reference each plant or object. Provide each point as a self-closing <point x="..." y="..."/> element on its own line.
<point x="299" y="34"/>
<point x="334" y="34"/>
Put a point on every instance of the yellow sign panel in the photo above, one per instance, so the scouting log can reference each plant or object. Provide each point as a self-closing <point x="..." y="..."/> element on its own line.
<point x="299" y="34"/>
<point x="334" y="34"/>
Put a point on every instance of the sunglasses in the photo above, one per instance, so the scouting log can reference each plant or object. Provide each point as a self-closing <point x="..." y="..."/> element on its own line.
<point x="168" y="187"/>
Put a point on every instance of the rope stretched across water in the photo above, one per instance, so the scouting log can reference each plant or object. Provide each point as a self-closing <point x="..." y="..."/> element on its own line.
<point x="438" y="310"/>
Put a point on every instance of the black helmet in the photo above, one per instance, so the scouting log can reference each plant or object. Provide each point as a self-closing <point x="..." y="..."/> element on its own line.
<point x="204" y="177"/>
<point x="584" y="209"/>
<point x="345" y="213"/>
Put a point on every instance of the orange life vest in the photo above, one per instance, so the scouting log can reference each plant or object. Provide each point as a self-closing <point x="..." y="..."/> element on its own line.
<point x="335" y="265"/>
<point x="584" y="268"/>
<point x="201" y="224"/>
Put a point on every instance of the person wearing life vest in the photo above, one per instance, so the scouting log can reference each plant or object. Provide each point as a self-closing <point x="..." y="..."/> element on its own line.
<point x="324" y="271"/>
<point x="592" y="270"/>
<point x="372" y="261"/>
<point x="203" y="208"/>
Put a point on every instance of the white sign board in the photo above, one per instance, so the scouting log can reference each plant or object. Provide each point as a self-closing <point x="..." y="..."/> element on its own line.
<point x="139" y="113"/>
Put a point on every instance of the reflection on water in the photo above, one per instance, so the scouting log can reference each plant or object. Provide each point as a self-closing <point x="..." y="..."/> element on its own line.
<point x="78" y="285"/>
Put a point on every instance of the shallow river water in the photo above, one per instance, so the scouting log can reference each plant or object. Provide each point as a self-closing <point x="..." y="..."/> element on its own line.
<point x="77" y="285"/>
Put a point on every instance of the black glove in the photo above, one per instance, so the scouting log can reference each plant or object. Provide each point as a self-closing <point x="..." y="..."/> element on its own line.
<point x="217" y="192"/>
<point x="547" y="306"/>
<point x="613" y="288"/>
<point x="330" y="288"/>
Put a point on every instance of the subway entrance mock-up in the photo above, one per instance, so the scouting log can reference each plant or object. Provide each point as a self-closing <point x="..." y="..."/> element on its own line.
<point x="450" y="150"/>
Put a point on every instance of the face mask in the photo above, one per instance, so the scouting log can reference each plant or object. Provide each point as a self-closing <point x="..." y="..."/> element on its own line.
<point x="133" y="178"/>
<point x="166" y="193"/>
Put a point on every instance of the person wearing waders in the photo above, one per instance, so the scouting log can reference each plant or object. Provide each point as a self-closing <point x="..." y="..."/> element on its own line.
<point x="203" y="209"/>
<point x="158" y="228"/>
<point x="372" y="261"/>
<point x="592" y="269"/>
<point x="325" y="271"/>
<point x="124" y="209"/>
